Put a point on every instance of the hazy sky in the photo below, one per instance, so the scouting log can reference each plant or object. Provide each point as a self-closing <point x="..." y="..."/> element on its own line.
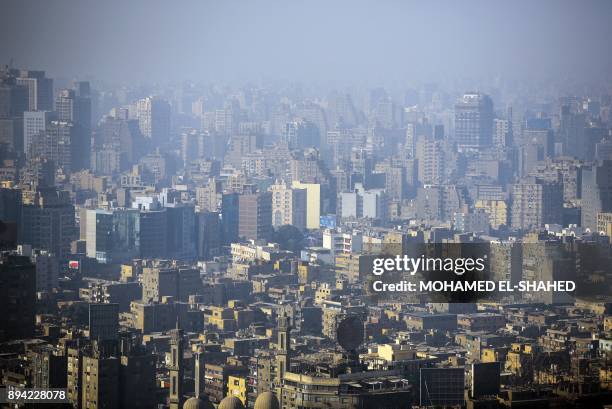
<point x="309" y="40"/>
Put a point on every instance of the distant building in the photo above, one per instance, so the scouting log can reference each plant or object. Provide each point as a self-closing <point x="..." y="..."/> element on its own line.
<point x="35" y="122"/>
<point x="17" y="297"/>
<point x="474" y="121"/>
<point x="209" y="235"/>
<point x="49" y="222"/>
<point x="596" y="193"/>
<point x="103" y="321"/>
<point x="255" y="215"/>
<point x="536" y="202"/>
<point x="497" y="210"/>
<point x="57" y="143"/>
<point x="74" y="108"/>
<point x="289" y="206"/>
<point x="40" y="90"/>
<point x="230" y="214"/>
<point x="153" y="115"/>
<point x="313" y="203"/>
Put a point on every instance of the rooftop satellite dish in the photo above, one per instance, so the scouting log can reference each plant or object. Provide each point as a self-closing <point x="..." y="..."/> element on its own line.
<point x="350" y="333"/>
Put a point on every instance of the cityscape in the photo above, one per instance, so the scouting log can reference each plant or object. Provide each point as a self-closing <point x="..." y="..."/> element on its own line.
<point x="273" y="230"/>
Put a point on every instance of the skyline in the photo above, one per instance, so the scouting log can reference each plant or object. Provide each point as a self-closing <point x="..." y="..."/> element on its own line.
<point x="304" y="205"/>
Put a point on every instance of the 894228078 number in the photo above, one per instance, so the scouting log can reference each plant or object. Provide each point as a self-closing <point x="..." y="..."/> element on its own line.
<point x="13" y="394"/>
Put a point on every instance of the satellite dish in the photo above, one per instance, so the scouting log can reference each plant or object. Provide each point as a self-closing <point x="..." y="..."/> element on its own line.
<point x="350" y="333"/>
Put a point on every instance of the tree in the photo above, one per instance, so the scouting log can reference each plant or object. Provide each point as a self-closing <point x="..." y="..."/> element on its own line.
<point x="289" y="238"/>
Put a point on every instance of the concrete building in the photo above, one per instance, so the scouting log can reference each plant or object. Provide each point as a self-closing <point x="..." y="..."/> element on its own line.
<point x="153" y="115"/>
<point x="431" y="161"/>
<point x="289" y="206"/>
<point x="313" y="202"/>
<point x="48" y="223"/>
<point x="596" y="193"/>
<point x="39" y="89"/>
<point x="103" y="321"/>
<point x="474" y="121"/>
<point x="255" y="215"/>
<point x="497" y="210"/>
<point x="17" y="297"/>
<point x="535" y="203"/>
<point x="35" y="122"/>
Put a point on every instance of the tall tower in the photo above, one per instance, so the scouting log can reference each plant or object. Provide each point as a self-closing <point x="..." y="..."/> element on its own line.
<point x="176" y="368"/>
<point x="284" y="348"/>
<point x="200" y="380"/>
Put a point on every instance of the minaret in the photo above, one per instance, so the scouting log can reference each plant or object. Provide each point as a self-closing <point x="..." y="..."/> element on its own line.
<point x="176" y="368"/>
<point x="200" y="379"/>
<point x="284" y="348"/>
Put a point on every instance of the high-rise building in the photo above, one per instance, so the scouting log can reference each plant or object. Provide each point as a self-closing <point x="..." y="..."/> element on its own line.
<point x="192" y="145"/>
<point x="502" y="132"/>
<point x="35" y="122"/>
<point x="181" y="229"/>
<point x="40" y="89"/>
<point x="208" y="197"/>
<point x="375" y="204"/>
<point x="13" y="96"/>
<point x="209" y="235"/>
<point x="13" y="103"/>
<point x="497" y="210"/>
<point x="474" y="121"/>
<point x="301" y="134"/>
<point x="372" y="204"/>
<point x="74" y="357"/>
<point x="73" y="108"/>
<point x="307" y="167"/>
<point x="230" y="214"/>
<point x="103" y="321"/>
<point x="313" y="202"/>
<point x="153" y="233"/>
<point x="47" y="270"/>
<point x="288" y="205"/>
<point x="431" y="161"/>
<point x="536" y="202"/>
<point x="17" y="297"/>
<point x="10" y="214"/>
<point x="49" y="367"/>
<point x="546" y="260"/>
<point x="255" y="215"/>
<point x="159" y="282"/>
<point x="37" y="172"/>
<point x="55" y="143"/>
<point x="111" y="235"/>
<point x="153" y="115"/>
<point x="116" y="143"/>
<point x="48" y="223"/>
<point x="100" y="381"/>
<point x="596" y="192"/>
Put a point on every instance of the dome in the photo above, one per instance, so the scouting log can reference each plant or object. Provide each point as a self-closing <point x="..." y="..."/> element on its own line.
<point x="267" y="400"/>
<point x="197" y="403"/>
<point x="231" y="402"/>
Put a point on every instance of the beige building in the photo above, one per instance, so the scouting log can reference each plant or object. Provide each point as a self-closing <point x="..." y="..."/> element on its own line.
<point x="604" y="223"/>
<point x="313" y="203"/>
<point x="497" y="211"/>
<point x="289" y="205"/>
